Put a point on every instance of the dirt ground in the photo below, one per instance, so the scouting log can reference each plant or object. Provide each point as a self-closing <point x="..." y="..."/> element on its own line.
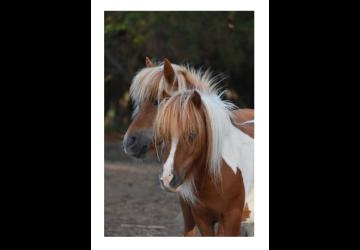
<point x="135" y="204"/>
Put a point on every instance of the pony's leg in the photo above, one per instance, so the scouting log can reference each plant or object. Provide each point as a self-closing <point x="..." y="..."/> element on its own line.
<point x="189" y="223"/>
<point x="205" y="225"/>
<point x="232" y="221"/>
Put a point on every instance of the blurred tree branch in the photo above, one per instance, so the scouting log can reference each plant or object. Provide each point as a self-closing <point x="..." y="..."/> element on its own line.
<point x="114" y="62"/>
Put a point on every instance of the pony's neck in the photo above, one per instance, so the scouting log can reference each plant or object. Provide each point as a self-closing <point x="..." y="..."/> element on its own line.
<point x="227" y="143"/>
<point x="200" y="172"/>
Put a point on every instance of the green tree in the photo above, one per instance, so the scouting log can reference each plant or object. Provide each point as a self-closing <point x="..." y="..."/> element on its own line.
<point x="222" y="41"/>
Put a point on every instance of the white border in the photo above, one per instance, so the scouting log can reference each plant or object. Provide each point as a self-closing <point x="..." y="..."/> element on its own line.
<point x="261" y="239"/>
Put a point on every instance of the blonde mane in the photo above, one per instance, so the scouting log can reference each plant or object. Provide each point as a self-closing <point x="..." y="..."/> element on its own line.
<point x="179" y="117"/>
<point x="150" y="84"/>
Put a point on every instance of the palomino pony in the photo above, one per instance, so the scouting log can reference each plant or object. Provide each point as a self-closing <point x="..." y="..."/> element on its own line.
<point x="149" y="87"/>
<point x="208" y="161"/>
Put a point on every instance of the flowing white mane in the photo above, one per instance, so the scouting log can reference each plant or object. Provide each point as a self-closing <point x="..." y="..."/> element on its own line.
<point x="220" y="116"/>
<point x="228" y="142"/>
<point x="149" y="83"/>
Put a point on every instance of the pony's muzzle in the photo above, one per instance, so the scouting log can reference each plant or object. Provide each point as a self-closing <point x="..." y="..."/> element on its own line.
<point x="170" y="182"/>
<point x="175" y="181"/>
<point x="130" y="141"/>
<point x="136" y="144"/>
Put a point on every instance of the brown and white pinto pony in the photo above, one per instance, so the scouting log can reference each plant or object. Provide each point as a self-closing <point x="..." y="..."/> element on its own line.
<point x="208" y="161"/>
<point x="148" y="88"/>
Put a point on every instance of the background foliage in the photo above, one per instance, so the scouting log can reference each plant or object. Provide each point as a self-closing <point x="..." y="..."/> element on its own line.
<point x="222" y="41"/>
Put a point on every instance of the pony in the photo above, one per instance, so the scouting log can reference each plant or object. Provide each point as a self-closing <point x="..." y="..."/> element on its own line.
<point x="149" y="87"/>
<point x="207" y="160"/>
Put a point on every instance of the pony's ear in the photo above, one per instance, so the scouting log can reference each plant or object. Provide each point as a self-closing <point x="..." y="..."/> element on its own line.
<point x="149" y="63"/>
<point x="169" y="71"/>
<point x="164" y="95"/>
<point x="196" y="99"/>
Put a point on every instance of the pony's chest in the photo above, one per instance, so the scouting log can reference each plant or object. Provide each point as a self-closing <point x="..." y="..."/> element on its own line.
<point x="215" y="209"/>
<point x="215" y="199"/>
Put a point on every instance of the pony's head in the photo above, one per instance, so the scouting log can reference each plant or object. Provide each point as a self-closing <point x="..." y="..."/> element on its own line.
<point x="192" y="126"/>
<point x="182" y="124"/>
<point x="149" y="87"/>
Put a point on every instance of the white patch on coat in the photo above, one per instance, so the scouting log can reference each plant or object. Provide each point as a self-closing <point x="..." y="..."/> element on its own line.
<point x="250" y="203"/>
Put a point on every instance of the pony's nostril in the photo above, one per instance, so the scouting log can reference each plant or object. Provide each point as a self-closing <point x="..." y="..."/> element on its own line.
<point x="130" y="141"/>
<point x="174" y="181"/>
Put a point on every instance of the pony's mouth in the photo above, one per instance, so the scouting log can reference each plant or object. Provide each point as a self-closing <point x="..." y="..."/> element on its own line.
<point x="165" y="188"/>
<point x="174" y="186"/>
<point x="142" y="152"/>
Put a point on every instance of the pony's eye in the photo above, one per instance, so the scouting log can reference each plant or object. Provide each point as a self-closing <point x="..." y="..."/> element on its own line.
<point x="155" y="102"/>
<point x="192" y="136"/>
